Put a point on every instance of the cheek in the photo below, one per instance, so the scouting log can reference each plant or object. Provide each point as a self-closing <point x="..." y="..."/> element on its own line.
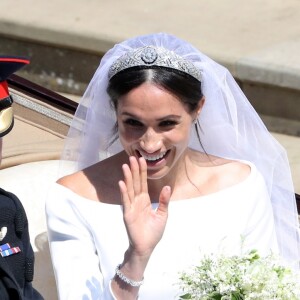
<point x="181" y="136"/>
<point x="128" y="136"/>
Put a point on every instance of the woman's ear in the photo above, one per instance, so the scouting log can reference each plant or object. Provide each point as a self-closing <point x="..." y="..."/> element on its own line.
<point x="200" y="106"/>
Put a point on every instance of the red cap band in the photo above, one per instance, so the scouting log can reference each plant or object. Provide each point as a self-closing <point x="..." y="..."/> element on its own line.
<point x="3" y="90"/>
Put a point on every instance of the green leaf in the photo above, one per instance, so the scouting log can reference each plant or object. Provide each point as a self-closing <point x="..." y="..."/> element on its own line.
<point x="186" y="296"/>
<point x="215" y="296"/>
<point x="237" y="296"/>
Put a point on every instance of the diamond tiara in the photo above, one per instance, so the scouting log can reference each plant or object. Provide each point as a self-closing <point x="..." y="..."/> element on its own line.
<point x="153" y="56"/>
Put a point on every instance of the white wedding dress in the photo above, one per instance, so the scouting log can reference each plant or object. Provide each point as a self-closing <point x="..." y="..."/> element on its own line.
<point x="88" y="239"/>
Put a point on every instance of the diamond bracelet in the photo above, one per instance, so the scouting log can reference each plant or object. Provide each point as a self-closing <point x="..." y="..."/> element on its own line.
<point x="126" y="279"/>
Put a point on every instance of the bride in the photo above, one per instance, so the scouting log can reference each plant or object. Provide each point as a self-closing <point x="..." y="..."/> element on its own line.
<point x="171" y="161"/>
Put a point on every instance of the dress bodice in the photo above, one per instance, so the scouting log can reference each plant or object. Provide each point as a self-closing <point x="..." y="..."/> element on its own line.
<point x="94" y="236"/>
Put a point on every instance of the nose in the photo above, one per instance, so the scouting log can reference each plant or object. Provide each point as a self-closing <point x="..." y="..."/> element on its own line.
<point x="151" y="141"/>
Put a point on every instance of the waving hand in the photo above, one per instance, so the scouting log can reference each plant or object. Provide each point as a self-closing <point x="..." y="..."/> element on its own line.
<point x="144" y="225"/>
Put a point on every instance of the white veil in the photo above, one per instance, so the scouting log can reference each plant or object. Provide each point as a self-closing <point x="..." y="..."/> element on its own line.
<point x="230" y="128"/>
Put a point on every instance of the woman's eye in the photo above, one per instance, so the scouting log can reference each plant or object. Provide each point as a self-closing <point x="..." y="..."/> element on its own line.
<point x="168" y="123"/>
<point x="133" y="123"/>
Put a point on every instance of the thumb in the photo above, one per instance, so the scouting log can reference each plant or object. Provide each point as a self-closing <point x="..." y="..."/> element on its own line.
<point x="164" y="199"/>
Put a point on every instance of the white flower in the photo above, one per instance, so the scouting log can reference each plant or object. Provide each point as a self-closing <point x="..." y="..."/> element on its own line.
<point x="244" y="277"/>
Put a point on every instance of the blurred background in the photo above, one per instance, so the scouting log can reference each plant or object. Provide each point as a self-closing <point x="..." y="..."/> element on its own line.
<point x="258" y="41"/>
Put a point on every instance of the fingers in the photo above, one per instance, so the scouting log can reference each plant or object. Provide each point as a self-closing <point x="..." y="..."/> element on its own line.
<point x="124" y="195"/>
<point x="143" y="174"/>
<point x="135" y="171"/>
<point x="128" y="180"/>
<point x="135" y="178"/>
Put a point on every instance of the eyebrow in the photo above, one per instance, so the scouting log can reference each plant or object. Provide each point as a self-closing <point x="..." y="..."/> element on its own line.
<point x="160" y="119"/>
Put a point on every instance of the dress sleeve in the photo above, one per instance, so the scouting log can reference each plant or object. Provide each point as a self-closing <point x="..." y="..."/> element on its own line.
<point x="260" y="233"/>
<point x="75" y="261"/>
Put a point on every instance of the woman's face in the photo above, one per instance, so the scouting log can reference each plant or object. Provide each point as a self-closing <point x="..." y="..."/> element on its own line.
<point x="154" y="124"/>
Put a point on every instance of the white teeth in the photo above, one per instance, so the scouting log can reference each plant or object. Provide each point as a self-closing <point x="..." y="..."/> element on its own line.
<point x="154" y="157"/>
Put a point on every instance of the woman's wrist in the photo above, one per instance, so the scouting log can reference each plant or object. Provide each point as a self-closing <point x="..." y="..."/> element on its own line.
<point x="134" y="264"/>
<point x="129" y="281"/>
<point x="129" y="275"/>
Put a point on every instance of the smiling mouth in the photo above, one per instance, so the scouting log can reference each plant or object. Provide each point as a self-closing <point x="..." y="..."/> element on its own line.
<point x="153" y="158"/>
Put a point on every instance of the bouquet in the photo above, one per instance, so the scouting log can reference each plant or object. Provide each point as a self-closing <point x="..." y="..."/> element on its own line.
<point x="241" y="277"/>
